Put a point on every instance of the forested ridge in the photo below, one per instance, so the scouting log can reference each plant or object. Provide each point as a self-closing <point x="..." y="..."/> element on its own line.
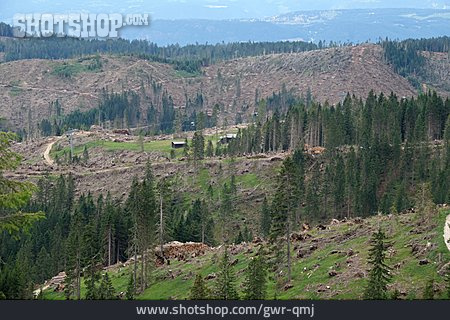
<point x="406" y="56"/>
<point x="189" y="58"/>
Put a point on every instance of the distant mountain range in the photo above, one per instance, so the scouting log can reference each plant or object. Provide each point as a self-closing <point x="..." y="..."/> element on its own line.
<point x="206" y="9"/>
<point x="355" y="26"/>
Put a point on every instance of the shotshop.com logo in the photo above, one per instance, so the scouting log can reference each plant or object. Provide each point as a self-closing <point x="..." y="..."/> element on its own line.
<point x="78" y="25"/>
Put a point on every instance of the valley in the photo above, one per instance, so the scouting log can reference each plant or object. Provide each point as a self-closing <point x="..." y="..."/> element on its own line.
<point x="204" y="173"/>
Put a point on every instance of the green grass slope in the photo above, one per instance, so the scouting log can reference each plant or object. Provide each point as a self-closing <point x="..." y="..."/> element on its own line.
<point x="417" y="255"/>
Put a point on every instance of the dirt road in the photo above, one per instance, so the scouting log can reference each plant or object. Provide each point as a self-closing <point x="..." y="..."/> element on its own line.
<point x="47" y="157"/>
<point x="47" y="151"/>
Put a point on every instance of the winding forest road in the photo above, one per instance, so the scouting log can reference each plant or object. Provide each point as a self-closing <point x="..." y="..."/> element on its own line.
<point x="447" y="232"/>
<point x="47" y="157"/>
<point x="47" y="151"/>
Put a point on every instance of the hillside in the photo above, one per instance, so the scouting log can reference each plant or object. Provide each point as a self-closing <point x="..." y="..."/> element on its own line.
<point x="27" y="87"/>
<point x="193" y="152"/>
<point x="330" y="262"/>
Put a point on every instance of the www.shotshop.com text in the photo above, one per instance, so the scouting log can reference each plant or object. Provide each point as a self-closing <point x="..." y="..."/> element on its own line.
<point x="223" y="311"/>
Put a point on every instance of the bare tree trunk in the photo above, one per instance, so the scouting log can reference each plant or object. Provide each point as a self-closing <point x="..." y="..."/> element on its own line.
<point x="118" y="252"/>
<point x="78" y="281"/>
<point x="161" y="227"/>
<point x="203" y="231"/>
<point x="288" y="239"/>
<point x="109" y="246"/>
<point x="143" y="271"/>
<point x="135" y="264"/>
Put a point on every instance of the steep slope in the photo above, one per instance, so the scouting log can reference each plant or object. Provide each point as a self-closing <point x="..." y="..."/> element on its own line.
<point x="28" y="87"/>
<point x="329" y="262"/>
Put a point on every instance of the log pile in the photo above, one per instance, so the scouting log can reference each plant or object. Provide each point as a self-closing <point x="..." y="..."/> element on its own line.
<point x="183" y="251"/>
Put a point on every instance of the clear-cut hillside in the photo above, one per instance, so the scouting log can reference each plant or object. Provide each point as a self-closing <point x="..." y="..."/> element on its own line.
<point x="27" y="87"/>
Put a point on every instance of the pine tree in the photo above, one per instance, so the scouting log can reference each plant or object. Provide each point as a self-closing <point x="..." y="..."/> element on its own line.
<point x="130" y="288"/>
<point x="198" y="146"/>
<point x="225" y="286"/>
<point x="91" y="279"/>
<point x="85" y="155"/>
<point x="283" y="207"/>
<point x="255" y="284"/>
<point x="143" y="209"/>
<point x="14" y="194"/>
<point x="210" y="149"/>
<point x="424" y="202"/>
<point x="379" y="275"/>
<point x="74" y="245"/>
<point x="186" y="149"/>
<point x="239" y="238"/>
<point x="199" y="290"/>
<point x="106" y="289"/>
<point x="226" y="209"/>
<point x="141" y="142"/>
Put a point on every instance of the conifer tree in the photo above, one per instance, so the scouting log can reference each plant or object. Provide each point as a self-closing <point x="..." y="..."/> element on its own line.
<point x="74" y="246"/>
<point x="198" y="146"/>
<point x="379" y="275"/>
<point x="424" y="202"/>
<point x="225" y="286"/>
<point x="210" y="149"/>
<point x="106" y="289"/>
<point x="141" y="142"/>
<point x="14" y="194"/>
<point x="91" y="279"/>
<point x="284" y="205"/>
<point x="199" y="290"/>
<point x="130" y="288"/>
<point x="85" y="155"/>
<point x="255" y="285"/>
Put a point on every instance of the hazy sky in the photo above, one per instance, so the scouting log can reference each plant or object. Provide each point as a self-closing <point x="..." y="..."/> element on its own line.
<point x="205" y="9"/>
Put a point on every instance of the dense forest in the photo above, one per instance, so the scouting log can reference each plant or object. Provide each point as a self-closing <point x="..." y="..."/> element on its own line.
<point x="406" y="56"/>
<point x="5" y="30"/>
<point x="188" y="58"/>
<point x="127" y="110"/>
<point x="376" y="155"/>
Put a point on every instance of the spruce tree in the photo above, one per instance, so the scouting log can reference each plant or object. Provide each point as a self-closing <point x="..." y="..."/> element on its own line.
<point x="225" y="286"/>
<point x="424" y="202"/>
<point x="85" y="155"/>
<point x="14" y="194"/>
<point x="283" y="207"/>
<point x="379" y="275"/>
<point x="199" y="290"/>
<point x="210" y="149"/>
<point x="74" y="244"/>
<point x="130" y="288"/>
<point x="198" y="146"/>
<point x="186" y="149"/>
<point x="106" y="289"/>
<point x="255" y="285"/>
<point x="141" y="142"/>
<point x="91" y="279"/>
